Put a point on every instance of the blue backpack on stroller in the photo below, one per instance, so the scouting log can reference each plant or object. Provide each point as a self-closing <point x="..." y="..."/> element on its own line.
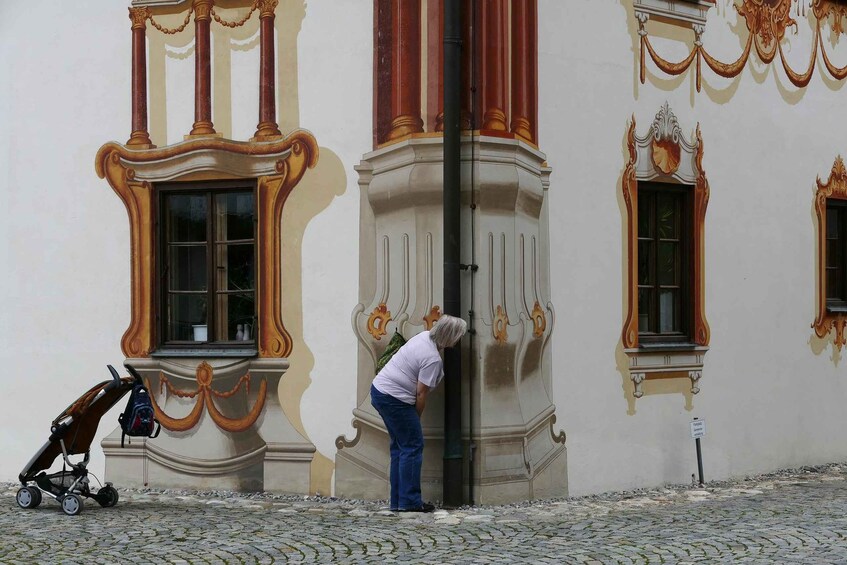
<point x="138" y="419"/>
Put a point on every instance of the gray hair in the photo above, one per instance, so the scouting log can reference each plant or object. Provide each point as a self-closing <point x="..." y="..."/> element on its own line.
<point x="448" y="331"/>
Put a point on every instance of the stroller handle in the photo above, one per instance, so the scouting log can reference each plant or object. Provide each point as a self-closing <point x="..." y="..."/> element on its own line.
<point x="116" y="379"/>
<point x="133" y="372"/>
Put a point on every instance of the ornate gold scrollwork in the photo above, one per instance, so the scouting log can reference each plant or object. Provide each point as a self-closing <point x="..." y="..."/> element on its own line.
<point x="629" y="185"/>
<point x="834" y="187"/>
<point x="500" y="325"/>
<point x="539" y="320"/>
<point x="432" y="317"/>
<point x="377" y="321"/>
<point x="204" y="395"/>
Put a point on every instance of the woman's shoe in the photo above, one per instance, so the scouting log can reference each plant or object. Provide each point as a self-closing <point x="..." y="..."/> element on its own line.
<point x="425" y="507"/>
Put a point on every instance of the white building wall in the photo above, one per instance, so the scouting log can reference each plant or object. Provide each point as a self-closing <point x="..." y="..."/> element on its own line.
<point x="65" y="234"/>
<point x="769" y="398"/>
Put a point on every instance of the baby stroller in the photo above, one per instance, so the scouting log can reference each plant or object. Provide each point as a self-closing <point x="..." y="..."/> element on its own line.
<point x="71" y="433"/>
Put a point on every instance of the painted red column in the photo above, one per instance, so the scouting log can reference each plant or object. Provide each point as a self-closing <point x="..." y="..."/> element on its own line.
<point x="268" y="127"/>
<point x="435" y="63"/>
<point x="469" y="65"/>
<point x="139" y="137"/>
<point x="406" y="69"/>
<point x="494" y="35"/>
<point x="524" y="68"/>
<point x="202" y="69"/>
<point x="382" y="71"/>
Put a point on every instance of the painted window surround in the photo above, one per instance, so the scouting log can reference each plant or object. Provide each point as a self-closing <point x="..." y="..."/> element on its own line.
<point x="277" y="167"/>
<point x="834" y="188"/>
<point x="664" y="156"/>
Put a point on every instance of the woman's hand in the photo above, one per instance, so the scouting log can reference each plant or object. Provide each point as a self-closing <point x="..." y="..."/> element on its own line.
<point x="420" y="400"/>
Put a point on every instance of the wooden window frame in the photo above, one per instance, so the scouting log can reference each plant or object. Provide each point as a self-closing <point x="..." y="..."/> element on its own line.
<point x="830" y="315"/>
<point x="210" y="189"/>
<point x="686" y="252"/>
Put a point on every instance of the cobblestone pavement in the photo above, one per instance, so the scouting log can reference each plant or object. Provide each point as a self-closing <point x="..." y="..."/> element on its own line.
<point x="795" y="516"/>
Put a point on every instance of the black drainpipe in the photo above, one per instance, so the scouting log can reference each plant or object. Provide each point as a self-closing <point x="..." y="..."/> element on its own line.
<point x="452" y="471"/>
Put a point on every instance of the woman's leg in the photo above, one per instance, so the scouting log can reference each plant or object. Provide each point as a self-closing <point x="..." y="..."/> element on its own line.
<point x="381" y="401"/>
<point x="404" y="428"/>
<point x="394" y="474"/>
<point x="407" y="429"/>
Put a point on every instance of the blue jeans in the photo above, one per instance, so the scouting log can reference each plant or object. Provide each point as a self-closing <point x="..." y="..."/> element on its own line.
<point x="406" y="435"/>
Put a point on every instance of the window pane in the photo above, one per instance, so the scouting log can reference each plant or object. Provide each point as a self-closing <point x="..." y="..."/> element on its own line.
<point x="668" y="311"/>
<point x="235" y="216"/>
<point x="645" y="214"/>
<point x="667" y="216"/>
<point x="186" y="218"/>
<point x="834" y="253"/>
<point x="668" y="263"/>
<point x="645" y="299"/>
<point x="831" y="223"/>
<point x="831" y="254"/>
<point x="186" y="312"/>
<point x="187" y="267"/>
<point x="236" y="267"/>
<point x="831" y="283"/>
<point x="645" y="262"/>
<point x="236" y="316"/>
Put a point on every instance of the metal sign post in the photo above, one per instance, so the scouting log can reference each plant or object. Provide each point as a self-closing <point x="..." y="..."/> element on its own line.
<point x="698" y="430"/>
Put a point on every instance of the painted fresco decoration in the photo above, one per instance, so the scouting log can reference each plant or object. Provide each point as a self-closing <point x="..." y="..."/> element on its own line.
<point x="205" y="395"/>
<point x="835" y="187"/>
<point x="277" y="165"/>
<point x="664" y="154"/>
<point x="247" y="441"/>
<point x="767" y="22"/>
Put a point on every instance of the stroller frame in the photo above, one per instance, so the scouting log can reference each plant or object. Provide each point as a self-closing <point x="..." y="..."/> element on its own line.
<point x="76" y="424"/>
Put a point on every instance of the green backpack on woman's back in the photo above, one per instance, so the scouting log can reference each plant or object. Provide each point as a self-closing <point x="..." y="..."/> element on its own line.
<point x="394" y="344"/>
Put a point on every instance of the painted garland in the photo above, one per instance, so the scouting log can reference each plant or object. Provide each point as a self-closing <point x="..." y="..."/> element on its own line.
<point x="204" y="395"/>
<point x="767" y="22"/>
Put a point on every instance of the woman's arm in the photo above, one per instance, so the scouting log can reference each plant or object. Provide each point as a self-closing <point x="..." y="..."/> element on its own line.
<point x="420" y="402"/>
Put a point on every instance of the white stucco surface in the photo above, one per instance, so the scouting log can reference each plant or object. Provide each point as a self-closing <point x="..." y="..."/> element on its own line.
<point x="65" y="235"/>
<point x="770" y="397"/>
<point x="769" y="400"/>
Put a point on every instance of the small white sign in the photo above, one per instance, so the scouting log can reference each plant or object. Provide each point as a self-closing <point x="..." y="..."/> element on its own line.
<point x="698" y="428"/>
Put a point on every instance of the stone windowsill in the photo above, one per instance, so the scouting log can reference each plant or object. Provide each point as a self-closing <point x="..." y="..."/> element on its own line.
<point x="665" y="360"/>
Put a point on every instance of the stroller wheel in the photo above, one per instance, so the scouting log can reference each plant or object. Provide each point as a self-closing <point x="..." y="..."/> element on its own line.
<point x="71" y="504"/>
<point x="107" y="496"/>
<point x="28" y="497"/>
<point x="36" y="493"/>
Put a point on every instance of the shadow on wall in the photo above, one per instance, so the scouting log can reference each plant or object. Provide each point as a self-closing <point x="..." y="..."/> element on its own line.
<point x="313" y="195"/>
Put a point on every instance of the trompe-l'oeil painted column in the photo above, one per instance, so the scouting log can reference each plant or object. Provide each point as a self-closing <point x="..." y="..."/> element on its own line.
<point x="268" y="127"/>
<point x="202" y="69"/>
<point x="494" y="71"/>
<point x="406" y="69"/>
<point x="524" y="68"/>
<point x="139" y="137"/>
<point x="467" y="103"/>
<point x="435" y="64"/>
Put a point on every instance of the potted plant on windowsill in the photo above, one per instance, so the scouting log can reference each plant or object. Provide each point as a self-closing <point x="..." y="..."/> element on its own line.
<point x="201" y="331"/>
